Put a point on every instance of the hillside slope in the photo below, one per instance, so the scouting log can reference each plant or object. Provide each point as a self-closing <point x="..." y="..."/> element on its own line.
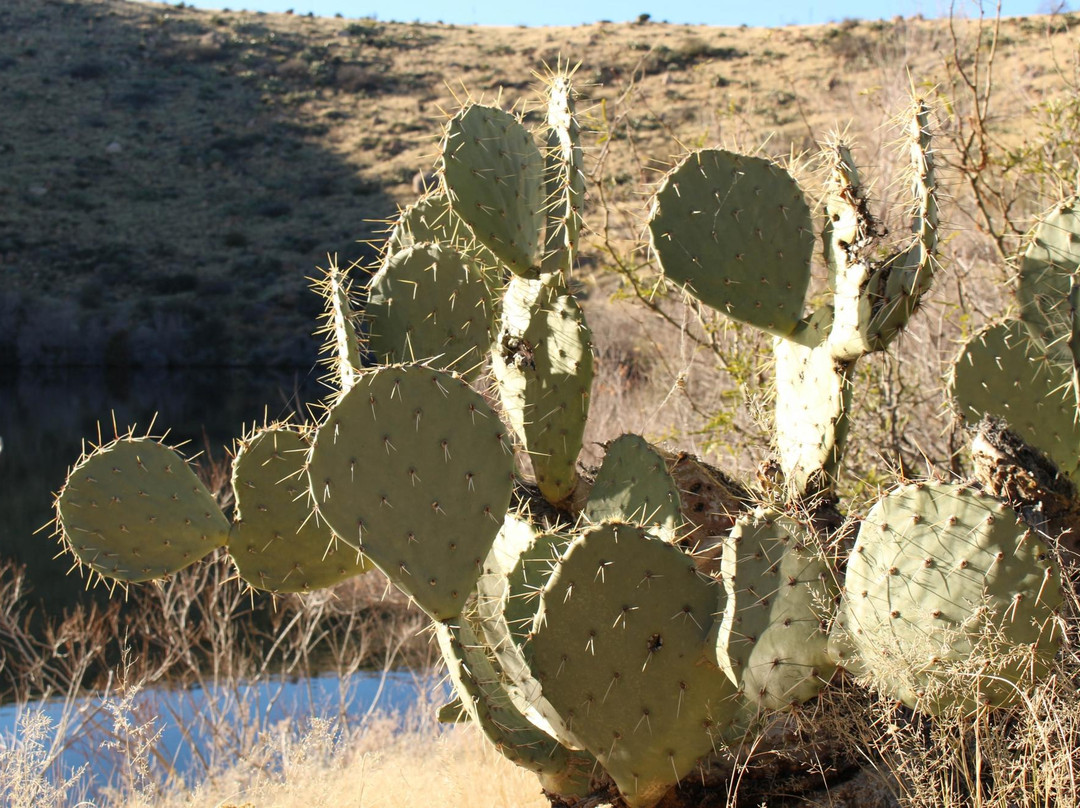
<point x="170" y="177"/>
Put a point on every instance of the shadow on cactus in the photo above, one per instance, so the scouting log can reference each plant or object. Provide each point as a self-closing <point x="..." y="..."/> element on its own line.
<point x="581" y="635"/>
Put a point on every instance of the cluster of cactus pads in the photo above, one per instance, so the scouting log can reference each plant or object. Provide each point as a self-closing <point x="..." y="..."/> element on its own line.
<point x="580" y="635"/>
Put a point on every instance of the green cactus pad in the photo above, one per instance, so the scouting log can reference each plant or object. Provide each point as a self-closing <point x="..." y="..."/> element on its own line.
<point x="342" y="339"/>
<point x="133" y="510"/>
<point x="633" y="485"/>
<point x="426" y="221"/>
<point x="483" y="695"/>
<point x="813" y="403"/>
<point x="413" y="466"/>
<point x="898" y="285"/>
<point x="544" y="368"/>
<point x="950" y="600"/>
<point x="493" y="172"/>
<point x="564" y="176"/>
<point x="275" y="544"/>
<point x="772" y="640"/>
<point x="515" y="570"/>
<point x="736" y="232"/>
<point x="503" y="595"/>
<point x="849" y="234"/>
<point x="1050" y="261"/>
<point x="621" y="649"/>
<point x="1001" y="371"/>
<point x="430" y="302"/>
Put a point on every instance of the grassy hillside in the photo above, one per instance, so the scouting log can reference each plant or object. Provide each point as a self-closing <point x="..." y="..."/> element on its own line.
<point x="169" y="177"/>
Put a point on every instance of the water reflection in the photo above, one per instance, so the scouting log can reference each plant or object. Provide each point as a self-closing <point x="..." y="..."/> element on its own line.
<point x="190" y="734"/>
<point x="45" y="415"/>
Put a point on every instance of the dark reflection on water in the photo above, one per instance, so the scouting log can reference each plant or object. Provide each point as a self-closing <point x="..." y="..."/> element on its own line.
<point x="46" y="414"/>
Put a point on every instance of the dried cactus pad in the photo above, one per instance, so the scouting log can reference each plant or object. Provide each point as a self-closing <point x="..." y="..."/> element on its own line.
<point x="494" y="176"/>
<point x="276" y="544"/>
<point x="621" y="650"/>
<point x="412" y="465"/>
<point x="429" y="301"/>
<point x="133" y="510"/>
<point x="950" y="599"/>
<point x="736" y="232"/>
<point x="1001" y="371"/>
<point x="1043" y="283"/>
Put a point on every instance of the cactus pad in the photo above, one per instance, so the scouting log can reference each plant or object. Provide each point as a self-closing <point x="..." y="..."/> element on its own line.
<point x="620" y="648"/>
<point x="564" y="176"/>
<point x="428" y="301"/>
<point x="275" y="544"/>
<point x="413" y="466"/>
<point x="1050" y="261"/>
<point x="493" y="172"/>
<point x="813" y="402"/>
<point x="736" y="232"/>
<point x="1001" y="371"/>
<point x="950" y="599"/>
<point x="342" y="340"/>
<point x="633" y="485"/>
<point x="133" y="510"/>
<point x="483" y="696"/>
<point x="772" y="640"/>
<point x="544" y="368"/>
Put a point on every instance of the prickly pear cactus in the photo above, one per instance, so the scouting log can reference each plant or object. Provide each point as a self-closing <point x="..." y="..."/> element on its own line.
<point x="341" y="336"/>
<point x="275" y="543"/>
<point x="1001" y="371"/>
<point x="736" y="232"/>
<point x="494" y="177"/>
<point x="633" y="485"/>
<point x="133" y="510"/>
<point x="781" y="593"/>
<point x="950" y="601"/>
<point x="1044" y="281"/>
<point x="413" y="467"/>
<point x="620" y="648"/>
<point x="429" y="302"/>
<point x="544" y="368"/>
<point x="483" y="696"/>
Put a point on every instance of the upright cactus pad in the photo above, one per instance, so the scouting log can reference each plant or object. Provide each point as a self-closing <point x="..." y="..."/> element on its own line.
<point x="133" y="510"/>
<point x="950" y="600"/>
<point x="428" y="220"/>
<point x="620" y="649"/>
<point x="1051" y="260"/>
<point x="564" y="176"/>
<point x="813" y="405"/>
<point x="633" y="485"/>
<point x="430" y="302"/>
<point x="494" y="173"/>
<point x="736" y="232"/>
<point x="413" y="467"/>
<point x="483" y="695"/>
<point x="544" y="366"/>
<point x="275" y="543"/>
<point x="507" y="597"/>
<point x="772" y="641"/>
<point x="342" y="339"/>
<point x="1001" y="371"/>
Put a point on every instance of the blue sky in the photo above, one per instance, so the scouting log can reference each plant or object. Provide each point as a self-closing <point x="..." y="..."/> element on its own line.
<point x="576" y="12"/>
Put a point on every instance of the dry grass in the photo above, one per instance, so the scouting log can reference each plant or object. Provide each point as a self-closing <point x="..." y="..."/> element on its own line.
<point x="226" y="236"/>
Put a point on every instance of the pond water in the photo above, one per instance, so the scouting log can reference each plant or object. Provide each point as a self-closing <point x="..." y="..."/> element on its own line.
<point x="194" y="732"/>
<point x="45" y="415"/>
